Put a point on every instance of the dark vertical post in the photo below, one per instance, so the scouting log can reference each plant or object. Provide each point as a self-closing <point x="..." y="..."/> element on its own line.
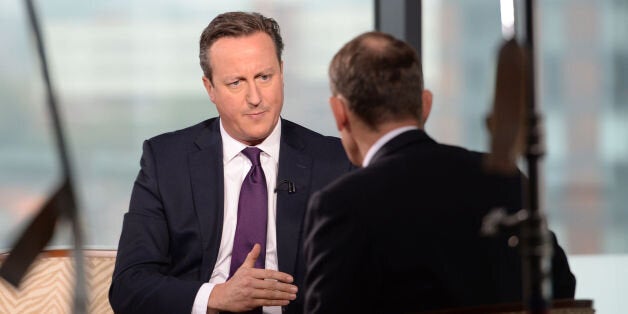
<point x="400" y="18"/>
<point x="413" y="24"/>
<point x="537" y="251"/>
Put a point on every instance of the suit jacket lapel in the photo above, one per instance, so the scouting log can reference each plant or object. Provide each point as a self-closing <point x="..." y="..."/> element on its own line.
<point x="206" y="174"/>
<point x="294" y="166"/>
<point x="400" y="141"/>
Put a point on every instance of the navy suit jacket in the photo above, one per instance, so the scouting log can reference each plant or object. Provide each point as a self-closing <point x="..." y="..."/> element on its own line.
<point x="171" y="234"/>
<point x="402" y="235"/>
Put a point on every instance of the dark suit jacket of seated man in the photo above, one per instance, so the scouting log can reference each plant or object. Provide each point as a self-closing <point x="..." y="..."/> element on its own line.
<point x="173" y="237"/>
<point x="402" y="233"/>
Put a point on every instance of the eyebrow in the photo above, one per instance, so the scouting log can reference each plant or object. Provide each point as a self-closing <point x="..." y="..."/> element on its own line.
<point x="266" y="70"/>
<point x="234" y="77"/>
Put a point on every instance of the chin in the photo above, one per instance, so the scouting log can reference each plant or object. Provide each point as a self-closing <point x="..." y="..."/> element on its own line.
<point x="257" y="137"/>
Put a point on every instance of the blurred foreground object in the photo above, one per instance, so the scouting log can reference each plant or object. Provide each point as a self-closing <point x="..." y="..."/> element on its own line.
<point x="61" y="204"/>
<point x="514" y="118"/>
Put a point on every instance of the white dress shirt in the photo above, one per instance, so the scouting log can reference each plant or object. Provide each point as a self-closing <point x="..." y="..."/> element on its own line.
<point x="382" y="141"/>
<point x="236" y="166"/>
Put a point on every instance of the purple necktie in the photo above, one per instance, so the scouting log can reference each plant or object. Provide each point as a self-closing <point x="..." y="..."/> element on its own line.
<point x="252" y="214"/>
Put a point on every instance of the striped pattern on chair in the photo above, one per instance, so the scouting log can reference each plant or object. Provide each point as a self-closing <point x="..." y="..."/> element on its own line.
<point x="48" y="286"/>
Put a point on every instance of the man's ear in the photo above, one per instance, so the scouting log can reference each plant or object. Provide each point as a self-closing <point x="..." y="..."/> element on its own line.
<point x="283" y="83"/>
<point x="426" y="97"/>
<point x="209" y="88"/>
<point x="339" y="109"/>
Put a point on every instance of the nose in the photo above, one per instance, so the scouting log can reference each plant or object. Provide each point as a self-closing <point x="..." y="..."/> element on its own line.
<point x="253" y="96"/>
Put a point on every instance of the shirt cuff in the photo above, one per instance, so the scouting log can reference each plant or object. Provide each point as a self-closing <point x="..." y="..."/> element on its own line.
<point x="202" y="298"/>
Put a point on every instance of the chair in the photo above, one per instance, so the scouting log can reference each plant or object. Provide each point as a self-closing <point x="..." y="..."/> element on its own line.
<point x="566" y="306"/>
<point x="48" y="286"/>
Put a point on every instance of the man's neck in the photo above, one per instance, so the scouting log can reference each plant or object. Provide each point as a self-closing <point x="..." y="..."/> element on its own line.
<point x="373" y="141"/>
<point x="368" y="136"/>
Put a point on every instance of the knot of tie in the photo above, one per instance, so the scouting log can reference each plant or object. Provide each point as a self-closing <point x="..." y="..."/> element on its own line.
<point x="253" y="153"/>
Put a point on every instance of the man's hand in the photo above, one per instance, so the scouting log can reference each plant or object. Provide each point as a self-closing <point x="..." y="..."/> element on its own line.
<point x="252" y="287"/>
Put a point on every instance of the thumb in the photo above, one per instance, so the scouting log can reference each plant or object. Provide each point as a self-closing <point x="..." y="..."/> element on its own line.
<point x="252" y="256"/>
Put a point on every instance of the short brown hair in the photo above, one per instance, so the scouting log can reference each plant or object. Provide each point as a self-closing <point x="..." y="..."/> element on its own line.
<point x="380" y="76"/>
<point x="236" y="24"/>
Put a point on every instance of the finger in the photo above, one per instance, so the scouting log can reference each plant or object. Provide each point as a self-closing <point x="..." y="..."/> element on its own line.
<point x="271" y="274"/>
<point x="265" y="302"/>
<point x="262" y="294"/>
<point x="252" y="256"/>
<point x="272" y="285"/>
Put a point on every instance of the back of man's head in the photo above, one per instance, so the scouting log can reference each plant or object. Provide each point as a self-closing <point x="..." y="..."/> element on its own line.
<point x="380" y="76"/>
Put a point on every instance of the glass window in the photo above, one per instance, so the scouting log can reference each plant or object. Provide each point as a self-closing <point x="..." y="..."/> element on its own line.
<point x="581" y="67"/>
<point x="582" y="53"/>
<point x="125" y="71"/>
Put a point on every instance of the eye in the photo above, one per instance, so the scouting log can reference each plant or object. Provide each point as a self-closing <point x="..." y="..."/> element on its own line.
<point x="234" y="83"/>
<point x="265" y="77"/>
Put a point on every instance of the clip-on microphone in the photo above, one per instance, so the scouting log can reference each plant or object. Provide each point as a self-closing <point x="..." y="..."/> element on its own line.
<point x="290" y="187"/>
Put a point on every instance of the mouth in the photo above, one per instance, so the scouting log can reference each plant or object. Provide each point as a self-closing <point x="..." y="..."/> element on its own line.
<point x="257" y="114"/>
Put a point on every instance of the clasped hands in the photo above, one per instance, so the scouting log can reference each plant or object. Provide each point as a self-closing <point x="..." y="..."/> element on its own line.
<point x="251" y="287"/>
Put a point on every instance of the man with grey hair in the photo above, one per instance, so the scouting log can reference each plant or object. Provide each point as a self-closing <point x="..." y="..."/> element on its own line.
<point x="401" y="234"/>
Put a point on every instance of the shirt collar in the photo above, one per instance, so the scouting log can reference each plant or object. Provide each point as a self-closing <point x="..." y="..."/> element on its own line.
<point x="232" y="147"/>
<point x="383" y="140"/>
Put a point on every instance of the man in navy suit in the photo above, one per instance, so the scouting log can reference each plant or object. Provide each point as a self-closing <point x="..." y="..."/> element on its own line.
<point x="177" y="238"/>
<point x="401" y="234"/>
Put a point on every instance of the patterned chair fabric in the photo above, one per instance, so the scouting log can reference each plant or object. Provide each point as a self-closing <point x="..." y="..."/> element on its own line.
<point x="48" y="285"/>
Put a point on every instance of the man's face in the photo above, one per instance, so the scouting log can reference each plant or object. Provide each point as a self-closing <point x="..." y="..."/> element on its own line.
<point x="247" y="86"/>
